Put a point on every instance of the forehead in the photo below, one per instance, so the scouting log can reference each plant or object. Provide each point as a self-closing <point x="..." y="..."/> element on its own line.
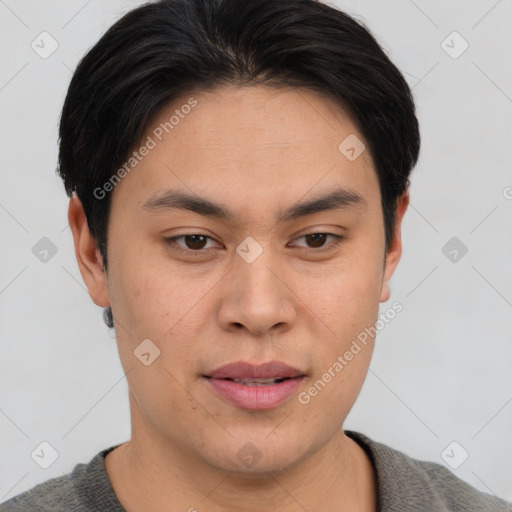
<point x="250" y="144"/>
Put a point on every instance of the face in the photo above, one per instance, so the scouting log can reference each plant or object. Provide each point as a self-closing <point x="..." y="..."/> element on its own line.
<point x="247" y="277"/>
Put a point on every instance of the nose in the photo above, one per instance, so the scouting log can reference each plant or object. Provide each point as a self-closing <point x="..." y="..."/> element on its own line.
<point x="257" y="297"/>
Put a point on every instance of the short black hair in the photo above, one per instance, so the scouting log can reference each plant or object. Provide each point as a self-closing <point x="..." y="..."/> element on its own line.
<point x="165" y="49"/>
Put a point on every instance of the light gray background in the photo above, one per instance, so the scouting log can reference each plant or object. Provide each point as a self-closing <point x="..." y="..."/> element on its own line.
<point x="442" y="370"/>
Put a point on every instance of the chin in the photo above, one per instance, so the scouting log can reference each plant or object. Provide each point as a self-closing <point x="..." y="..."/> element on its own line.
<point x="254" y="456"/>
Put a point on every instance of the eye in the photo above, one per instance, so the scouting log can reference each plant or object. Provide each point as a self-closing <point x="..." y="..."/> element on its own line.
<point x="318" y="241"/>
<point x="197" y="244"/>
<point x="193" y="242"/>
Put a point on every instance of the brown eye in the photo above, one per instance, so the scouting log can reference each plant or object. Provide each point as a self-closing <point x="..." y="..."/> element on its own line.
<point x="316" y="241"/>
<point x="193" y="243"/>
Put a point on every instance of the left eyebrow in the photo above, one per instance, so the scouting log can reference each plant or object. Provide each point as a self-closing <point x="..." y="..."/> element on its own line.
<point x="340" y="198"/>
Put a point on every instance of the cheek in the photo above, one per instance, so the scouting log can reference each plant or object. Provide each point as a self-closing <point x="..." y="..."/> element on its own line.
<point x="343" y="306"/>
<point x="153" y="304"/>
<point x="150" y="294"/>
<point x="348" y="309"/>
<point x="163" y="304"/>
<point x="346" y="295"/>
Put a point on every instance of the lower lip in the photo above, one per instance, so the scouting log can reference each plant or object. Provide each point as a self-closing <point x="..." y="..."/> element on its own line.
<point x="256" y="397"/>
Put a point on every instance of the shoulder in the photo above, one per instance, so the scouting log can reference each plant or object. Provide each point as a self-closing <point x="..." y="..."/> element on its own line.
<point x="458" y="494"/>
<point x="86" y="489"/>
<point x="57" y="495"/>
<point x="405" y="484"/>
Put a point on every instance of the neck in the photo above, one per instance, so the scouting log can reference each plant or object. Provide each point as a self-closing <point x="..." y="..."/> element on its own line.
<point x="340" y="474"/>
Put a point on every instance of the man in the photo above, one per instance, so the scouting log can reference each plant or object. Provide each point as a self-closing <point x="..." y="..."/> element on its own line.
<point x="238" y="174"/>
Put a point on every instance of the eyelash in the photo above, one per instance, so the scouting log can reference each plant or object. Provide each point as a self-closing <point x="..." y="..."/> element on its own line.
<point x="200" y="252"/>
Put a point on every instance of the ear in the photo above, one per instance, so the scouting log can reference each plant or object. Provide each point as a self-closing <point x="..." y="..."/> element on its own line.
<point x="395" y="248"/>
<point x="88" y="257"/>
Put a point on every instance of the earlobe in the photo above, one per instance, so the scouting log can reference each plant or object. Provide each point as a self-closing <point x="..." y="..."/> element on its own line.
<point x="385" y="292"/>
<point x="88" y="256"/>
<point x="395" y="250"/>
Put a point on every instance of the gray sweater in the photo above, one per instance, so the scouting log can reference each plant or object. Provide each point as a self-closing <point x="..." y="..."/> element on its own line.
<point x="403" y="485"/>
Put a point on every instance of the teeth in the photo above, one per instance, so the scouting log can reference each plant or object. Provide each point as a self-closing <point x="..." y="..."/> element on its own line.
<point x="257" y="382"/>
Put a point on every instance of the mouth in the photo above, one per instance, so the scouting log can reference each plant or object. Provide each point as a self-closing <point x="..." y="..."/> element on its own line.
<point x="247" y="372"/>
<point x="255" y="387"/>
<point x="259" y="382"/>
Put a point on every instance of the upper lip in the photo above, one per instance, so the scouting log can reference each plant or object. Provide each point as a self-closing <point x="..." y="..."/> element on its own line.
<point x="242" y="370"/>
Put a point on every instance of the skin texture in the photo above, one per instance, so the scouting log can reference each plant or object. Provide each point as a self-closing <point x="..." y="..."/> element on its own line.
<point x="257" y="151"/>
